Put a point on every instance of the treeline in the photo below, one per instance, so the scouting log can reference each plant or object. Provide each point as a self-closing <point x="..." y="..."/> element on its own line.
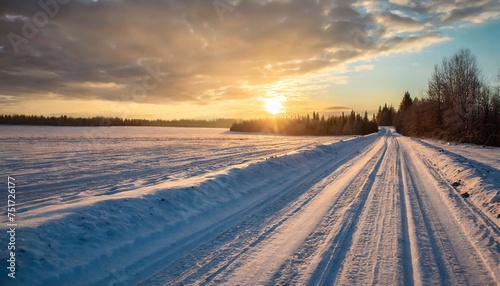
<point x="459" y="105"/>
<point x="110" y="121"/>
<point x="385" y="115"/>
<point x="353" y="124"/>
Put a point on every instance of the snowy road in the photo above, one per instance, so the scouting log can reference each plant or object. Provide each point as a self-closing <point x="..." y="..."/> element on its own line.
<point x="369" y="210"/>
<point x="383" y="217"/>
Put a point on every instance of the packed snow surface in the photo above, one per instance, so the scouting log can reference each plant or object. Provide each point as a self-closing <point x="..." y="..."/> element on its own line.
<point x="167" y="206"/>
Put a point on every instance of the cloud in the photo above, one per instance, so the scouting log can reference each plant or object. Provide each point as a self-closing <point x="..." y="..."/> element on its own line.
<point x="396" y="24"/>
<point x="472" y="15"/>
<point x="400" y="2"/>
<point x="363" y="68"/>
<point x="183" y="51"/>
<point x="335" y="108"/>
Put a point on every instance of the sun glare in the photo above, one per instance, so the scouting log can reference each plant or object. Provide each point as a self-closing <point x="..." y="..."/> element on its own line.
<point x="273" y="106"/>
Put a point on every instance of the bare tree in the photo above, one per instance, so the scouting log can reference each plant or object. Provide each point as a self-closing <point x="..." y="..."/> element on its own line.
<point x="460" y="96"/>
<point x="459" y="105"/>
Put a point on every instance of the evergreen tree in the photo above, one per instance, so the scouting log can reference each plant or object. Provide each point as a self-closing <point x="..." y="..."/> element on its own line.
<point x="406" y="102"/>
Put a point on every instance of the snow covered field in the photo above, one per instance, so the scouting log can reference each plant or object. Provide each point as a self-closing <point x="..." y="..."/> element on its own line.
<point x="67" y="163"/>
<point x="156" y="206"/>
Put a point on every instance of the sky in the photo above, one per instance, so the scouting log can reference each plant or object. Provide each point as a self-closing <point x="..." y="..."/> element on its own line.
<point x="205" y="59"/>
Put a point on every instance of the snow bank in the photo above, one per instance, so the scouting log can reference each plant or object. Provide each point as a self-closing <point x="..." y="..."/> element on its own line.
<point x="80" y="243"/>
<point x="475" y="172"/>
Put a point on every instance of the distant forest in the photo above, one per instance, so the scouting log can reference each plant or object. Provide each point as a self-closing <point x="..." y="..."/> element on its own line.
<point x="110" y="121"/>
<point x="353" y="124"/>
<point x="459" y="106"/>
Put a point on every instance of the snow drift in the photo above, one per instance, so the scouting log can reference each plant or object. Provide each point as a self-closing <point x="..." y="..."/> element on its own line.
<point x="472" y="173"/>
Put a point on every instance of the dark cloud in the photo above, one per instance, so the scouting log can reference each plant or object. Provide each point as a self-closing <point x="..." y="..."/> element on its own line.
<point x="335" y="107"/>
<point x="164" y="51"/>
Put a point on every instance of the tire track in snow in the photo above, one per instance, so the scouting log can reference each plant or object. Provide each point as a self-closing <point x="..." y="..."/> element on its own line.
<point x="425" y="251"/>
<point x="481" y="230"/>
<point x="343" y="221"/>
<point x="408" y="233"/>
<point x="375" y="254"/>
<point x="446" y="255"/>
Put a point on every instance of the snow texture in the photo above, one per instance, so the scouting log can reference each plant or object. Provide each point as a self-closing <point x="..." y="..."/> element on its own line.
<point x="156" y="206"/>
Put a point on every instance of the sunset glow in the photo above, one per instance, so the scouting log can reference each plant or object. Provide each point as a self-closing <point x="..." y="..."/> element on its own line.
<point x="190" y="59"/>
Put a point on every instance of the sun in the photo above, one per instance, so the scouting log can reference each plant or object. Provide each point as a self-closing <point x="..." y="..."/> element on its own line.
<point x="274" y="106"/>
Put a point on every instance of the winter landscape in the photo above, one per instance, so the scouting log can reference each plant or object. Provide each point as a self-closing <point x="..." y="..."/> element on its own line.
<point x="249" y="142"/>
<point x="216" y="207"/>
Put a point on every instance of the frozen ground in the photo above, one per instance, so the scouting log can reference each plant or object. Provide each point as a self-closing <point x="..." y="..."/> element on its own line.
<point x="251" y="210"/>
